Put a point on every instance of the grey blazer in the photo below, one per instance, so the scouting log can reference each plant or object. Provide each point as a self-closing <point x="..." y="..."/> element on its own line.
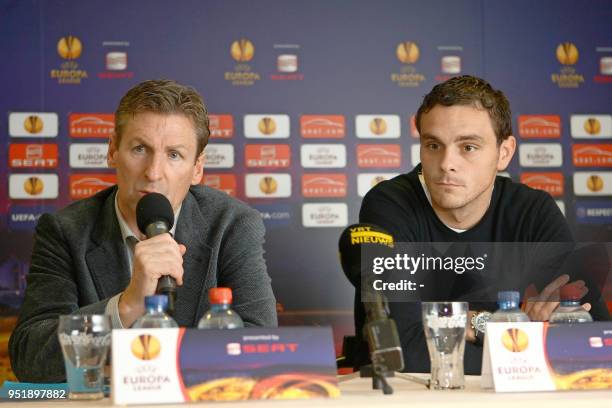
<point x="79" y="262"/>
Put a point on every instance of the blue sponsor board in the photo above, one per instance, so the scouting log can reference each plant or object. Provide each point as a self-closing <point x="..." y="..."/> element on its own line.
<point x="583" y="351"/>
<point x="275" y="215"/>
<point x="25" y="218"/>
<point x="594" y="212"/>
<point x="283" y="362"/>
<point x="469" y="43"/>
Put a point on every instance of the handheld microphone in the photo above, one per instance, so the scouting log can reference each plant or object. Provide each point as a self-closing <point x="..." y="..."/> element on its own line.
<point x="379" y="330"/>
<point x="154" y="216"/>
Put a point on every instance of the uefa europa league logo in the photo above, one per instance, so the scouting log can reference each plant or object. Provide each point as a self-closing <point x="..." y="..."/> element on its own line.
<point x="146" y="347"/>
<point x="69" y="47"/>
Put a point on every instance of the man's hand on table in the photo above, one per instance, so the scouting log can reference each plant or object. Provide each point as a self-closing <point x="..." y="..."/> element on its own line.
<point x="540" y="307"/>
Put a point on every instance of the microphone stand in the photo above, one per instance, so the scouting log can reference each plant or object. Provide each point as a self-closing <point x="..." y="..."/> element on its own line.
<point x="385" y="351"/>
<point x="379" y="378"/>
<point x="379" y="374"/>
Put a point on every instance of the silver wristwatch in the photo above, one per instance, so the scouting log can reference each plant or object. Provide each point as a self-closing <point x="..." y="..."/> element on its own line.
<point x="479" y="324"/>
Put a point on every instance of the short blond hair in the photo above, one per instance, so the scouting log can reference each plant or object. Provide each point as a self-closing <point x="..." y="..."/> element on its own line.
<point x="168" y="97"/>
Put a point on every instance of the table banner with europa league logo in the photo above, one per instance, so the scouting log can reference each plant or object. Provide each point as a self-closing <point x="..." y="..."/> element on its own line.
<point x="184" y="365"/>
<point x="540" y="356"/>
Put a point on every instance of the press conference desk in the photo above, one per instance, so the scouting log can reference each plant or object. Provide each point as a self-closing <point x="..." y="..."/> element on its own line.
<point x="357" y="393"/>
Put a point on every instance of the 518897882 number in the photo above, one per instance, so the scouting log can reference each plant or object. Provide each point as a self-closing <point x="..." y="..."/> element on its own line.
<point x="36" y="394"/>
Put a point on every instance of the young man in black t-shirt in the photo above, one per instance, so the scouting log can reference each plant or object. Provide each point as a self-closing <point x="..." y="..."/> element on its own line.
<point x="455" y="195"/>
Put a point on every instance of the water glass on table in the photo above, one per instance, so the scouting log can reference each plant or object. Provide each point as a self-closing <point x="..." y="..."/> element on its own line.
<point x="444" y="324"/>
<point x="85" y="341"/>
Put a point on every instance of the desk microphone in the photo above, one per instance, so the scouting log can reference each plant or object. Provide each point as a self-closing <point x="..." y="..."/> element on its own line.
<point x="154" y="216"/>
<point x="379" y="330"/>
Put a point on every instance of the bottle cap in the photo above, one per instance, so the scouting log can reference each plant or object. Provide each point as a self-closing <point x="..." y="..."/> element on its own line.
<point x="570" y="292"/>
<point x="220" y="296"/>
<point x="156" y="301"/>
<point x="509" y="296"/>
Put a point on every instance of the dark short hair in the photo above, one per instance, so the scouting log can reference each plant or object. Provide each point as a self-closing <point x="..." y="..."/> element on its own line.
<point x="472" y="91"/>
<point x="168" y="97"/>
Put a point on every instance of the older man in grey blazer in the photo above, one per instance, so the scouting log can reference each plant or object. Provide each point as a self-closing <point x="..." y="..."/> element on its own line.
<point x="91" y="257"/>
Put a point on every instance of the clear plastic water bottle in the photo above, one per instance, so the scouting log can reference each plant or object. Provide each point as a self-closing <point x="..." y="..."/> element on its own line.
<point x="509" y="311"/>
<point x="570" y="310"/>
<point x="155" y="316"/>
<point x="220" y="315"/>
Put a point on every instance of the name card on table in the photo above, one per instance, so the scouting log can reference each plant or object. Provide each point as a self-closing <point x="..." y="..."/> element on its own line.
<point x="183" y="365"/>
<point x="545" y="357"/>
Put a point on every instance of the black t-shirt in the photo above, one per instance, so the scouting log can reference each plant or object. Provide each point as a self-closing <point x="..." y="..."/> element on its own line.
<point x="517" y="213"/>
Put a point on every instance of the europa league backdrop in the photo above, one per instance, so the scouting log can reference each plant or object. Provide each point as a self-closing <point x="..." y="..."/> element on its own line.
<point x="311" y="104"/>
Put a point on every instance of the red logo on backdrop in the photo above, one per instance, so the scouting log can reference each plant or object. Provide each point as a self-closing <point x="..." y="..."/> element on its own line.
<point x="223" y="182"/>
<point x="29" y="155"/>
<point x="322" y="126"/>
<point x="91" y="124"/>
<point x="539" y="126"/>
<point x="86" y="185"/>
<point x="269" y="348"/>
<point x="592" y="155"/>
<point x="324" y="185"/>
<point x="379" y="155"/>
<point x="552" y="183"/>
<point x="268" y="155"/>
<point x="221" y="126"/>
<point x="413" y="129"/>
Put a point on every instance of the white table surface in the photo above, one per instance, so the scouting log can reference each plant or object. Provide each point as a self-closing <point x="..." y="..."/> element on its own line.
<point x="357" y="393"/>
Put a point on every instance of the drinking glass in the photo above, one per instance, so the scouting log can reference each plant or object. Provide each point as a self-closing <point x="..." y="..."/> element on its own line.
<point x="444" y="324"/>
<point x="85" y="340"/>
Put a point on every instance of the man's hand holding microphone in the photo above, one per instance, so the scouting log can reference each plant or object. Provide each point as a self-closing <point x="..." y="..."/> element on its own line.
<point x="157" y="261"/>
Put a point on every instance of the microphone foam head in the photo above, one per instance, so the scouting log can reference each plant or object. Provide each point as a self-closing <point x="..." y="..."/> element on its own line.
<point x="152" y="208"/>
<point x="353" y="239"/>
